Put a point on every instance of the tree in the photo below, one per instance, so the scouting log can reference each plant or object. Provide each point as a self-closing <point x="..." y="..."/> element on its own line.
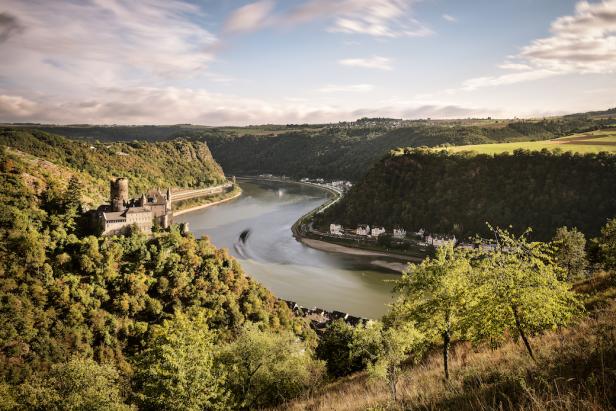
<point x="386" y="347"/>
<point x="434" y="295"/>
<point x="176" y="370"/>
<point x="517" y="288"/>
<point x="79" y="384"/>
<point x="606" y="244"/>
<point x="335" y="348"/>
<point x="571" y="251"/>
<point x="266" y="368"/>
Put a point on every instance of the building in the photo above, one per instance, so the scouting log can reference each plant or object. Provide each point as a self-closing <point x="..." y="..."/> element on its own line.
<point x="377" y="231"/>
<point x="399" y="233"/>
<point x="335" y="229"/>
<point x="122" y="213"/>
<point x="363" y="229"/>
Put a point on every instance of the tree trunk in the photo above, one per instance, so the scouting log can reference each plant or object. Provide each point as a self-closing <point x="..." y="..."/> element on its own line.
<point x="518" y="324"/>
<point x="393" y="379"/>
<point x="446" y="341"/>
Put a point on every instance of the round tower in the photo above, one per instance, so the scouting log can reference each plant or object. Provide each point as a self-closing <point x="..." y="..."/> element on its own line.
<point x="119" y="194"/>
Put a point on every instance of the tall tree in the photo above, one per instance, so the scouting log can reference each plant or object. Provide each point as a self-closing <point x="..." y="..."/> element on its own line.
<point x="434" y="295"/>
<point x="518" y="288"/>
<point x="606" y="244"/>
<point x="176" y="370"/>
<point x="571" y="251"/>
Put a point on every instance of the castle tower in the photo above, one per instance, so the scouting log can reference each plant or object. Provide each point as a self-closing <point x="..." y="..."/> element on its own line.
<point x="119" y="194"/>
<point x="168" y="203"/>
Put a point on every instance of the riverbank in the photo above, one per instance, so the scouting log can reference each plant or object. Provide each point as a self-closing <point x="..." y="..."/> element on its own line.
<point x="206" y="205"/>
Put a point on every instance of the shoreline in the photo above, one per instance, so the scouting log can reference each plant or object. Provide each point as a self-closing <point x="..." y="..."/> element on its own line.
<point x="362" y="252"/>
<point x="202" y="206"/>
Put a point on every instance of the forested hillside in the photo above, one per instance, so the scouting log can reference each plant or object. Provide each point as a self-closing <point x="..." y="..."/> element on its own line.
<point x="337" y="151"/>
<point x="162" y="322"/>
<point x="54" y="159"/>
<point x="459" y="193"/>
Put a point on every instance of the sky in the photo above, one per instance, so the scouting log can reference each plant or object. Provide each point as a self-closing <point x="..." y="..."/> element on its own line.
<point x="233" y="62"/>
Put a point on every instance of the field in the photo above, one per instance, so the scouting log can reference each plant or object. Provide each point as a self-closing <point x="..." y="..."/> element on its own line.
<point x="591" y="142"/>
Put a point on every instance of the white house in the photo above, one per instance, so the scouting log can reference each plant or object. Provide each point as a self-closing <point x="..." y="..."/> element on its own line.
<point x="335" y="229"/>
<point x="399" y="233"/>
<point x="377" y="231"/>
<point x="420" y="232"/>
<point x="363" y="230"/>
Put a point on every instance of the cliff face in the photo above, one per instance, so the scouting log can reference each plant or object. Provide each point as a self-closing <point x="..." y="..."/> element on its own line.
<point x="459" y="193"/>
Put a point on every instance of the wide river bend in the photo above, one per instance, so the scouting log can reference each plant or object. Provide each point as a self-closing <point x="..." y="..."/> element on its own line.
<point x="291" y="270"/>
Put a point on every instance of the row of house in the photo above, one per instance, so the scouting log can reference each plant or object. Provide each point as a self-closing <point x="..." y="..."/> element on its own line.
<point x="320" y="318"/>
<point x="364" y="230"/>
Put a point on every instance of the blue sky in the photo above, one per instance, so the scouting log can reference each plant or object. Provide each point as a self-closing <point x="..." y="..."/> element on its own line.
<point x="281" y="61"/>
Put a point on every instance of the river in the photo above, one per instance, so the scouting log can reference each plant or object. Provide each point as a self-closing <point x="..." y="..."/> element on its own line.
<point x="291" y="270"/>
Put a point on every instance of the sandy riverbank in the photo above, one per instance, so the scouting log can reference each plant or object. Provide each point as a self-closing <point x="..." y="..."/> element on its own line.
<point x="337" y="248"/>
<point x="199" y="207"/>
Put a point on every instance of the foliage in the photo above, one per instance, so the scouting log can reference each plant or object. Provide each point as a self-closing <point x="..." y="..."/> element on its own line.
<point x="265" y="368"/>
<point x="457" y="193"/>
<point x="63" y="294"/>
<point x="147" y="165"/>
<point x="386" y="347"/>
<point x="606" y="244"/>
<point x="79" y="384"/>
<point x="335" y="348"/>
<point x="517" y="291"/>
<point x="571" y="252"/>
<point x="435" y="295"/>
<point x="176" y="371"/>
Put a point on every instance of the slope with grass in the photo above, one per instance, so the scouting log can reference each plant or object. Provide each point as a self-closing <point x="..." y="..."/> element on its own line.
<point x="575" y="369"/>
<point x="589" y="142"/>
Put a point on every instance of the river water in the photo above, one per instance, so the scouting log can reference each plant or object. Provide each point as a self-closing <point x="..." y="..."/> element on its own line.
<point x="291" y="270"/>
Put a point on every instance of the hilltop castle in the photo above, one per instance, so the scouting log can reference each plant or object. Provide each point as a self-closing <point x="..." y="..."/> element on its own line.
<point x="153" y="208"/>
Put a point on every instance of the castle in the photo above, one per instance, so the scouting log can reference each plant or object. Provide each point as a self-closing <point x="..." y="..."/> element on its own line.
<point x="153" y="208"/>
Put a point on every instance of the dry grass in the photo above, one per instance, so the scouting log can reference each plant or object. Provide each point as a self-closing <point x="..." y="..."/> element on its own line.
<point x="575" y="370"/>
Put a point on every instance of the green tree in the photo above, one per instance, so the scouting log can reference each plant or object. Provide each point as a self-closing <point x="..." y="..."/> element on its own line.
<point x="386" y="347"/>
<point x="517" y="288"/>
<point x="571" y="251"/>
<point x="335" y="348"/>
<point x="176" y="370"/>
<point x="80" y="384"/>
<point x="434" y="295"/>
<point x="266" y="368"/>
<point x="606" y="244"/>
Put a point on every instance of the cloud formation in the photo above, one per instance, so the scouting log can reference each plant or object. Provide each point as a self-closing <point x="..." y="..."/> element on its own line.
<point x="146" y="105"/>
<point x="345" y="88"/>
<point x="582" y="43"/>
<point x="374" y="62"/>
<point x="380" y="18"/>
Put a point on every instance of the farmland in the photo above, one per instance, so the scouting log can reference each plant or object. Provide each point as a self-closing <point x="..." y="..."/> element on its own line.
<point x="589" y="142"/>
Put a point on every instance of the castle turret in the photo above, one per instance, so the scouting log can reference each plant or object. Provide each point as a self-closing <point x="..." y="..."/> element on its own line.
<point x="119" y="194"/>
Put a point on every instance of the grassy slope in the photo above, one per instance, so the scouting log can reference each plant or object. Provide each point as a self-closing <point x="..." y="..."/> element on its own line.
<point x="575" y="369"/>
<point x="591" y="142"/>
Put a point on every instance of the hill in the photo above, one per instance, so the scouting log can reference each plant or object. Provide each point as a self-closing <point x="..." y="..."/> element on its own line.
<point x="160" y="322"/>
<point x="458" y="193"/>
<point x="337" y="151"/>
<point x="54" y="159"/>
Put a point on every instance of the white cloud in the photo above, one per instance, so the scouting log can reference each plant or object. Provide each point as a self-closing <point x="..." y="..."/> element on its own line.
<point x="343" y="88"/>
<point x="450" y="18"/>
<point x="171" y="105"/>
<point x="380" y="18"/>
<point x="101" y="42"/>
<point x="250" y="17"/>
<point x="374" y="62"/>
<point x="580" y="44"/>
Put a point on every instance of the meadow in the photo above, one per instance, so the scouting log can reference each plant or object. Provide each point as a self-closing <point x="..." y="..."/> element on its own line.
<point x="589" y="142"/>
